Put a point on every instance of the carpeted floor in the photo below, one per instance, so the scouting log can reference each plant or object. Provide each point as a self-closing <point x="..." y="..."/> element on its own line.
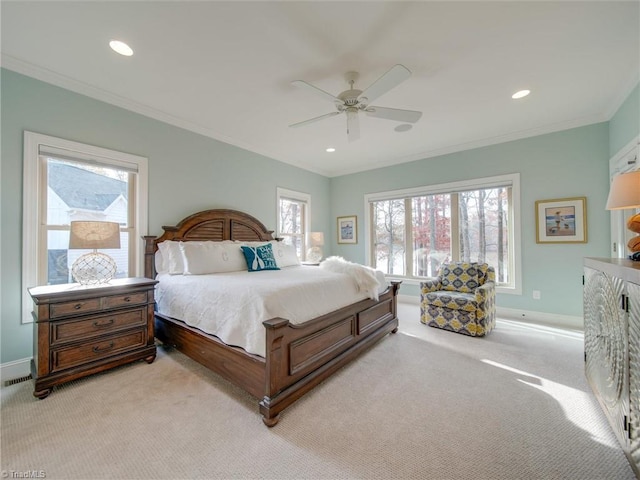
<point x="421" y="404"/>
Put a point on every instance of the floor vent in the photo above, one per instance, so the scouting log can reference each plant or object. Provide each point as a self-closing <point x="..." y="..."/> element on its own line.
<point x="8" y="383"/>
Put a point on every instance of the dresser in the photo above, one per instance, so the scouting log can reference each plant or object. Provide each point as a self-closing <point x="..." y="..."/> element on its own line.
<point x="80" y="330"/>
<point x="612" y="346"/>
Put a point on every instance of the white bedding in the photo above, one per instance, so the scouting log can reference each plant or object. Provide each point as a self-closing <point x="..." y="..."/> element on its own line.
<point x="233" y="305"/>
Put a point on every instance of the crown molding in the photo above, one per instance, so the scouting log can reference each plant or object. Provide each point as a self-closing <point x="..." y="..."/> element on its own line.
<point x="11" y="63"/>
<point x="48" y="76"/>
<point x="483" y="142"/>
<point x="622" y="95"/>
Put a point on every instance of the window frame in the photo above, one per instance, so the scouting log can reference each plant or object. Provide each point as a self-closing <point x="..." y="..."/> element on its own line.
<point x="508" y="180"/>
<point x="35" y="186"/>
<point x="284" y="193"/>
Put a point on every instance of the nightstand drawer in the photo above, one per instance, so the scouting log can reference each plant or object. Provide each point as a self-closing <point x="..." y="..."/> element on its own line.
<point x="82" y="330"/>
<point x="62" y="332"/>
<point x="68" y="357"/>
<point x="125" y="300"/>
<point x="57" y="310"/>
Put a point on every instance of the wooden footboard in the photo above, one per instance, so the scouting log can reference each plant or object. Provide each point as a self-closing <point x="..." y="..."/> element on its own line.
<point x="301" y="356"/>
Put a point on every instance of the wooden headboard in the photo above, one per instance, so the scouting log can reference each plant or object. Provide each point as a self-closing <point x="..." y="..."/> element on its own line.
<point x="215" y="225"/>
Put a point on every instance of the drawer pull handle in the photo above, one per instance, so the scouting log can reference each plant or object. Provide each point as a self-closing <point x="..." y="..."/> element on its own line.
<point x="78" y="306"/>
<point x="98" y="324"/>
<point x="97" y="349"/>
<point x="127" y="299"/>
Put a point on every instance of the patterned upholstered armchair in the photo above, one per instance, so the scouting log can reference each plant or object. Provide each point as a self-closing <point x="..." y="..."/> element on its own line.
<point x="460" y="299"/>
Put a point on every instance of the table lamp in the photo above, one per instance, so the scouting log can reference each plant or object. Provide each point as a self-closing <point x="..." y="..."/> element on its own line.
<point x="314" y="254"/>
<point x="625" y="193"/>
<point x="94" y="267"/>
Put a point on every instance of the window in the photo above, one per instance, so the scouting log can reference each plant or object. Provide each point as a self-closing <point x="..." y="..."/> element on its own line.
<point x="412" y="232"/>
<point x="293" y="218"/>
<point x="66" y="181"/>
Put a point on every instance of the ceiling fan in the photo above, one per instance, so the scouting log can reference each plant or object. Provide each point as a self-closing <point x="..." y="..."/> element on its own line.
<point x="351" y="102"/>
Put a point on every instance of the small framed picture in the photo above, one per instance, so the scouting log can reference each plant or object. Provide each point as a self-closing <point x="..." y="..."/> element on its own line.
<point x="562" y="220"/>
<point x="348" y="229"/>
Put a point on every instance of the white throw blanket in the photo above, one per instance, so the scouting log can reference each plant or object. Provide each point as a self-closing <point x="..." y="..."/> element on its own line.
<point x="365" y="277"/>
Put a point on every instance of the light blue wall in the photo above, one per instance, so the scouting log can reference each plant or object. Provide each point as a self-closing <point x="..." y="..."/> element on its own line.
<point x="572" y="163"/>
<point x="624" y="126"/>
<point x="187" y="173"/>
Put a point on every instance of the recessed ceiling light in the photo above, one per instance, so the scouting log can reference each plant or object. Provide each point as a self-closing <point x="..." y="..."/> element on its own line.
<point x="404" y="127"/>
<point x="121" y="48"/>
<point x="520" y="94"/>
<point x="331" y="149"/>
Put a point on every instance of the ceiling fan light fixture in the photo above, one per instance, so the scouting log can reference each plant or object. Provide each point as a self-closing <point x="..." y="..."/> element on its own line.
<point x="330" y="150"/>
<point x="520" y="94"/>
<point x="352" y="101"/>
<point x="121" y="48"/>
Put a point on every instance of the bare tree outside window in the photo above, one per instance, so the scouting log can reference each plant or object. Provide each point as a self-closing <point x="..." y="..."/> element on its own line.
<point x="389" y="234"/>
<point x="481" y="231"/>
<point x="292" y="225"/>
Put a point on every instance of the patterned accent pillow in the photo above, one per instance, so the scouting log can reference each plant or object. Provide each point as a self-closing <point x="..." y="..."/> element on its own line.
<point x="259" y="258"/>
<point x="460" y="277"/>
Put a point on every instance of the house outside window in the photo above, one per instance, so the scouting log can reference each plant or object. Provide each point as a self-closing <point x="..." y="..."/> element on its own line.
<point x="66" y="181"/>
<point x="293" y="219"/>
<point x="77" y="191"/>
<point x="412" y="232"/>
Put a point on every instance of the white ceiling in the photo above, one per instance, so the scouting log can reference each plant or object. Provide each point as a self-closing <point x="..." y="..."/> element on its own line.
<point x="224" y="69"/>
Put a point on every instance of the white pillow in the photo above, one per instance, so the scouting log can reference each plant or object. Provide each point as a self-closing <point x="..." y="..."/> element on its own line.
<point x="211" y="257"/>
<point x="159" y="261"/>
<point x="285" y="255"/>
<point x="171" y="257"/>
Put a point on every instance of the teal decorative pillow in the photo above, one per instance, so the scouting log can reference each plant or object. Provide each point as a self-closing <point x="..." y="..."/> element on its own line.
<point x="260" y="257"/>
<point x="460" y="277"/>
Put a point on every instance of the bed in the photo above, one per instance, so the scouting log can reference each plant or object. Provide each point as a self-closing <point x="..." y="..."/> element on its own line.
<point x="297" y="357"/>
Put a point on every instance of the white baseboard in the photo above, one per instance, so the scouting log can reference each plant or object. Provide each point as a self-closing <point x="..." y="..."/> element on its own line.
<point x="409" y="299"/>
<point x="541" y="318"/>
<point x="16" y="369"/>
<point x="550" y="319"/>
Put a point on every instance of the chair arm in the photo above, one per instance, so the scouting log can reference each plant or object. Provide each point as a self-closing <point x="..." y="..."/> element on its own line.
<point x="430" y="284"/>
<point x="483" y="290"/>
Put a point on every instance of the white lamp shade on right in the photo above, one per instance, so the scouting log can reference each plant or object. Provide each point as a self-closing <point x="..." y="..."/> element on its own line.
<point x="624" y="191"/>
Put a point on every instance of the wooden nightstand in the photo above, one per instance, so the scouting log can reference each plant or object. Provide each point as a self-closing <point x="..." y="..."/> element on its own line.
<point x="81" y="330"/>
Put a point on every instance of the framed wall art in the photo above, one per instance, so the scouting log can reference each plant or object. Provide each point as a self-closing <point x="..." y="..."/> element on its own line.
<point x="562" y="220"/>
<point x="348" y="229"/>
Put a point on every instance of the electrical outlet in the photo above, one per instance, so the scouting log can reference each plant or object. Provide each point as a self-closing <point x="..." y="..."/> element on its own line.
<point x="536" y="294"/>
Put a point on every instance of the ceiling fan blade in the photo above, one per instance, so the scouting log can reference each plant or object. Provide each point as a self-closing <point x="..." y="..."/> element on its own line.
<point x="396" y="114"/>
<point x="353" y="125"/>
<point x="315" y="119"/>
<point x="395" y="76"/>
<point x="318" y="91"/>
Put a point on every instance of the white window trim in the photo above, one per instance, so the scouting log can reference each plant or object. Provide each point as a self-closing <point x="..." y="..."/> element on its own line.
<point x="302" y="197"/>
<point x="626" y="160"/>
<point x="32" y="216"/>
<point x="487" y="182"/>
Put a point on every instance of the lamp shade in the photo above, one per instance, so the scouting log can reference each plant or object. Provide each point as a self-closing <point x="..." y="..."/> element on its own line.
<point x="625" y="191"/>
<point x="94" y="235"/>
<point x="316" y="239"/>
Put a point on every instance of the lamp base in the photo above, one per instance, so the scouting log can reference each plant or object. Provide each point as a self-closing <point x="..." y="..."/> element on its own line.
<point x="94" y="268"/>
<point x="314" y="254"/>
